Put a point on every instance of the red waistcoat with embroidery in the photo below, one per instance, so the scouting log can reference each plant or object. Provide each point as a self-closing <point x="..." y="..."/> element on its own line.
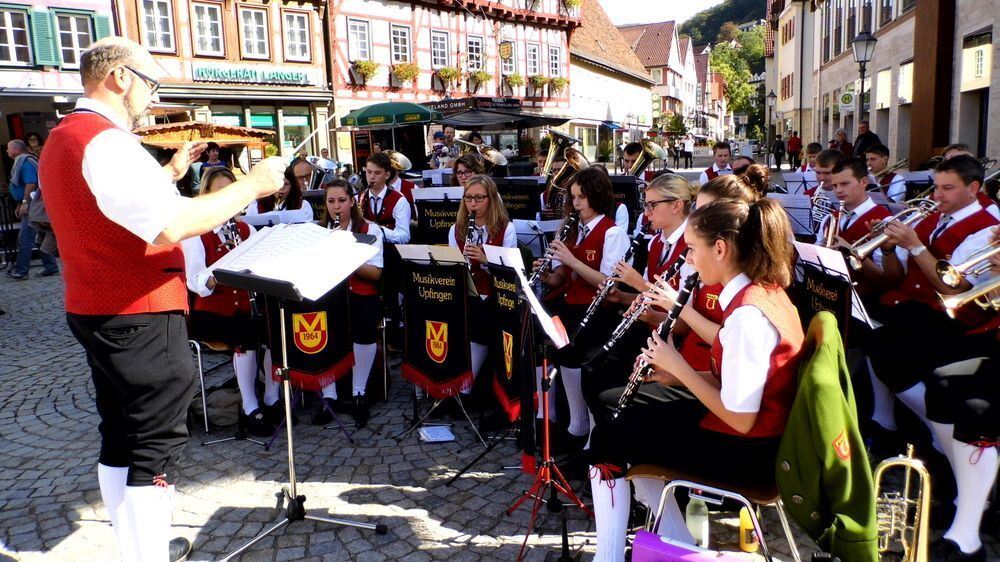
<point x="224" y="300"/>
<point x="779" y="388"/>
<point x="711" y="173"/>
<point x="107" y="269"/>
<point x="480" y="275"/>
<point x="384" y="217"/>
<point x="355" y="283"/>
<point x="916" y="287"/>
<point x="590" y="251"/>
<point x="654" y="267"/>
<point x="696" y="351"/>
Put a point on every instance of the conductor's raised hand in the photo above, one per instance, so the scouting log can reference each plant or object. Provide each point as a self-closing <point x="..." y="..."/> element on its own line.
<point x="268" y="175"/>
<point x="187" y="154"/>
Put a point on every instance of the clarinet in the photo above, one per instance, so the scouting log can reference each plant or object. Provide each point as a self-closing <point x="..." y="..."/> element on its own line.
<point x="336" y="221"/>
<point x="470" y="236"/>
<point x="609" y="283"/>
<point x="644" y="369"/>
<point x="536" y="275"/>
<point x="631" y="318"/>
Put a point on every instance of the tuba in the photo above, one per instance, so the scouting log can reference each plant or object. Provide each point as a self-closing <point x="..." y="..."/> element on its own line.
<point x="487" y="153"/>
<point x="903" y="519"/>
<point x="650" y="152"/>
<point x="320" y="168"/>
<point x="399" y="161"/>
<point x="918" y="210"/>
<point x="558" y="143"/>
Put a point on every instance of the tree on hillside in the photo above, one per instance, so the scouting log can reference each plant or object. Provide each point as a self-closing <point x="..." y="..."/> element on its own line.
<point x="728" y="32"/>
<point x="737" y="64"/>
<point x="704" y="26"/>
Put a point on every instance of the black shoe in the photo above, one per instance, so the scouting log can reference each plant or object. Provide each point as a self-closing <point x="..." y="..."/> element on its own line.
<point x="275" y="414"/>
<point x="362" y="411"/>
<point x="945" y="550"/>
<point x="256" y="423"/>
<point x="17" y="276"/>
<point x="324" y="414"/>
<point x="179" y="549"/>
<point x="49" y="273"/>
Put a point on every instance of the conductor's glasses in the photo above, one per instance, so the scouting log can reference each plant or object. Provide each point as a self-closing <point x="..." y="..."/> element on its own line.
<point x="153" y="85"/>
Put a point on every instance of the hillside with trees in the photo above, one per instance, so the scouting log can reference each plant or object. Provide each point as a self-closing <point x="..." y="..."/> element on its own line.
<point x="705" y="26"/>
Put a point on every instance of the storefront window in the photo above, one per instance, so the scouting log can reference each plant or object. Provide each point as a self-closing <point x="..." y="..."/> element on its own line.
<point x="296" y="124"/>
<point x="262" y="121"/>
<point x="228" y="119"/>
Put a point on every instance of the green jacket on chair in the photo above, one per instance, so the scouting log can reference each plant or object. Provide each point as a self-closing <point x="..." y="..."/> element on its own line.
<point x="822" y="469"/>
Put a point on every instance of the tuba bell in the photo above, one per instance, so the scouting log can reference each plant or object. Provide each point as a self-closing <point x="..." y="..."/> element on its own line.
<point x="575" y="161"/>
<point x="399" y="161"/>
<point x="650" y="152"/>
<point x="558" y="143"/>
<point x="903" y="518"/>
<point x="485" y="152"/>
<point x="320" y="168"/>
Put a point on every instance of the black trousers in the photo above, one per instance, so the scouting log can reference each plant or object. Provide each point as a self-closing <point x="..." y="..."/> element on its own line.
<point x="914" y="340"/>
<point x="366" y="310"/>
<point x="239" y="330"/>
<point x="661" y="427"/>
<point x="144" y="381"/>
<point x="970" y="401"/>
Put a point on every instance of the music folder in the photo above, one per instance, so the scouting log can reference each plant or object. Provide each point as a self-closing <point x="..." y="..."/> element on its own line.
<point x="425" y="254"/>
<point x="511" y="257"/>
<point x="292" y="261"/>
<point x="832" y="262"/>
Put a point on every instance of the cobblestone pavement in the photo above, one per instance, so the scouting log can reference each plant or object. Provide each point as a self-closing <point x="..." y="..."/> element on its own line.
<point x="51" y="509"/>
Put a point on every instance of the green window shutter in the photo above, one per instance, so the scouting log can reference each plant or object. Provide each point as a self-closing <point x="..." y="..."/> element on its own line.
<point x="102" y="26"/>
<point x="43" y="40"/>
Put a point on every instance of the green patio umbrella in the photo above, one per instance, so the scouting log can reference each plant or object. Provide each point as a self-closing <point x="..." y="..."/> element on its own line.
<point x="388" y="114"/>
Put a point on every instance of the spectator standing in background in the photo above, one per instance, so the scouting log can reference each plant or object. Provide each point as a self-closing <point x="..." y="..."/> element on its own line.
<point x="794" y="151"/>
<point x="866" y="139"/>
<point x="778" y="150"/>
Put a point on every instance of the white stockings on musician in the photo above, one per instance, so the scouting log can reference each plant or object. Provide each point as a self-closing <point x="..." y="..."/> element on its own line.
<point x="147" y="509"/>
<point x="882" y="412"/>
<point x="579" y="414"/>
<point x="479" y="352"/>
<point x="272" y="388"/>
<point x="915" y="398"/>
<point x="112" y="481"/>
<point x="552" y="397"/>
<point x="975" y="469"/>
<point x="364" y="358"/>
<point x="611" y="508"/>
<point x="245" y="365"/>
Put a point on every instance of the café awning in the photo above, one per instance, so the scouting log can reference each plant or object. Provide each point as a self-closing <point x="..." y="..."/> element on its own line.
<point x="493" y="120"/>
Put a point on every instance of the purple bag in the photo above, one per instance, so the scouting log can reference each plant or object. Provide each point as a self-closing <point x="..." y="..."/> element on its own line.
<point x="649" y="547"/>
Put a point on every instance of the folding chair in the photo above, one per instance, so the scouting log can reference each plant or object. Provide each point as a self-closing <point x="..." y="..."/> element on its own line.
<point x="215" y="347"/>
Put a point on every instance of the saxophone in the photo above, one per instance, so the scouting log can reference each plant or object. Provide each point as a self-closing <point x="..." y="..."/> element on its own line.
<point x="644" y="369"/>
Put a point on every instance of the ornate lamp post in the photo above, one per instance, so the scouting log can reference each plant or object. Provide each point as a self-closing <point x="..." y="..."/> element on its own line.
<point x="864" y="49"/>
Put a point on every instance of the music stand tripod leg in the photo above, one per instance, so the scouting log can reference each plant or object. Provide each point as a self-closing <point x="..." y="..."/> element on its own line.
<point x="340" y="425"/>
<point x="294" y="503"/>
<point x="407" y="431"/>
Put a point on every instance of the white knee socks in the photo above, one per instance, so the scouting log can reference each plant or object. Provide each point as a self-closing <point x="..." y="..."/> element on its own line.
<point x="611" y="509"/>
<point x="882" y="413"/>
<point x="915" y="398"/>
<point x="364" y="358"/>
<point x="579" y="415"/>
<point x="112" y="481"/>
<point x="147" y="509"/>
<point x="245" y="366"/>
<point x="272" y="388"/>
<point x="975" y="470"/>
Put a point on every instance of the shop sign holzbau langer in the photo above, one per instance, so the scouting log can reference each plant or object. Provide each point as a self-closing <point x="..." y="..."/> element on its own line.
<point x="253" y="74"/>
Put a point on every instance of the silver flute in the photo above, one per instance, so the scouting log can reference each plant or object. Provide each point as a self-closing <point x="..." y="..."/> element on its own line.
<point x="609" y="283"/>
<point x="644" y="369"/>
<point x="644" y="303"/>
<point x="536" y="275"/>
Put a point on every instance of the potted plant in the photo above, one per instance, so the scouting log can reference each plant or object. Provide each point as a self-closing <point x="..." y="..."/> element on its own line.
<point x="477" y="78"/>
<point x="365" y="69"/>
<point x="405" y="72"/>
<point x="558" y="84"/>
<point x="538" y="82"/>
<point x="447" y="75"/>
<point x="604" y="150"/>
<point x="514" y="80"/>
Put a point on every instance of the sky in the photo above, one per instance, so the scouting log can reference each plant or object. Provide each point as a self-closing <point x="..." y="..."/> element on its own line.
<point x="646" y="11"/>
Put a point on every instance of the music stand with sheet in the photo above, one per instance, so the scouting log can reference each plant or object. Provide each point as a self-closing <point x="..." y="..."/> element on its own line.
<point x="437" y="209"/>
<point x="535" y="233"/>
<point x="799" y="209"/>
<point x="263" y="264"/>
<point x="796" y="183"/>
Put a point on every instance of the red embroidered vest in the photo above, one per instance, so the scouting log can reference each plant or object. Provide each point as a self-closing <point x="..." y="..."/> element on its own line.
<point x="590" y="251"/>
<point x="654" y="267"/>
<point x="859" y="227"/>
<point x="915" y="285"/>
<point x="779" y="389"/>
<point x="224" y="301"/>
<point x="355" y="283"/>
<point x="711" y="173"/>
<point x="384" y="216"/>
<point x="887" y="179"/>
<point x="106" y="268"/>
<point x="480" y="275"/>
<point x="696" y="351"/>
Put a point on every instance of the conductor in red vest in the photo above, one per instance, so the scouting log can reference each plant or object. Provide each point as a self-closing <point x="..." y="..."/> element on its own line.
<point x="119" y="218"/>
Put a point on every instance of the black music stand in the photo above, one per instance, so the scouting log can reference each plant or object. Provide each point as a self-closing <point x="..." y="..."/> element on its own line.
<point x="295" y="509"/>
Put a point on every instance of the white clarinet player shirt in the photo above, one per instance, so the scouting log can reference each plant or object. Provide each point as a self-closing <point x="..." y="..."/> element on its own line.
<point x="748" y="339"/>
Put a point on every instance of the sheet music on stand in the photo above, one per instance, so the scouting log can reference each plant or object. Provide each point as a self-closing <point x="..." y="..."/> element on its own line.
<point x="799" y="209"/>
<point x="511" y="257"/>
<point x="438" y="194"/>
<point x="832" y="262"/>
<point x="294" y="253"/>
<point x="425" y="254"/>
<point x="531" y="233"/>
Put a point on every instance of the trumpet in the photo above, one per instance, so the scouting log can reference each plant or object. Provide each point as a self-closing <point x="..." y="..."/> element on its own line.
<point x="977" y="264"/>
<point x="470" y="236"/>
<point x="644" y="369"/>
<point x="536" y="275"/>
<point x="833" y="226"/>
<point x="650" y="152"/>
<point x="639" y="309"/>
<point x="917" y="210"/>
<point x="903" y="519"/>
<point x="979" y="294"/>
<point x="609" y="283"/>
<point x="486" y="152"/>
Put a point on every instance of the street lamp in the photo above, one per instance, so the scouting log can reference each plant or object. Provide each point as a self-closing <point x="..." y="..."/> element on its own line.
<point x="864" y="49"/>
<point x="771" y="100"/>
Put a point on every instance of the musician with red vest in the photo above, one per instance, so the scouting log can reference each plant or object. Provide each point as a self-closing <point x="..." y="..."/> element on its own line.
<point x="492" y="226"/>
<point x="917" y="336"/>
<point x="366" y="307"/>
<point x="891" y="183"/>
<point x="382" y="205"/>
<point x="119" y="220"/>
<point x="985" y="199"/>
<point x="739" y="408"/>
<point x="585" y="260"/>
<point x="721" y="152"/>
<point x="287" y="204"/>
<point x="220" y="313"/>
